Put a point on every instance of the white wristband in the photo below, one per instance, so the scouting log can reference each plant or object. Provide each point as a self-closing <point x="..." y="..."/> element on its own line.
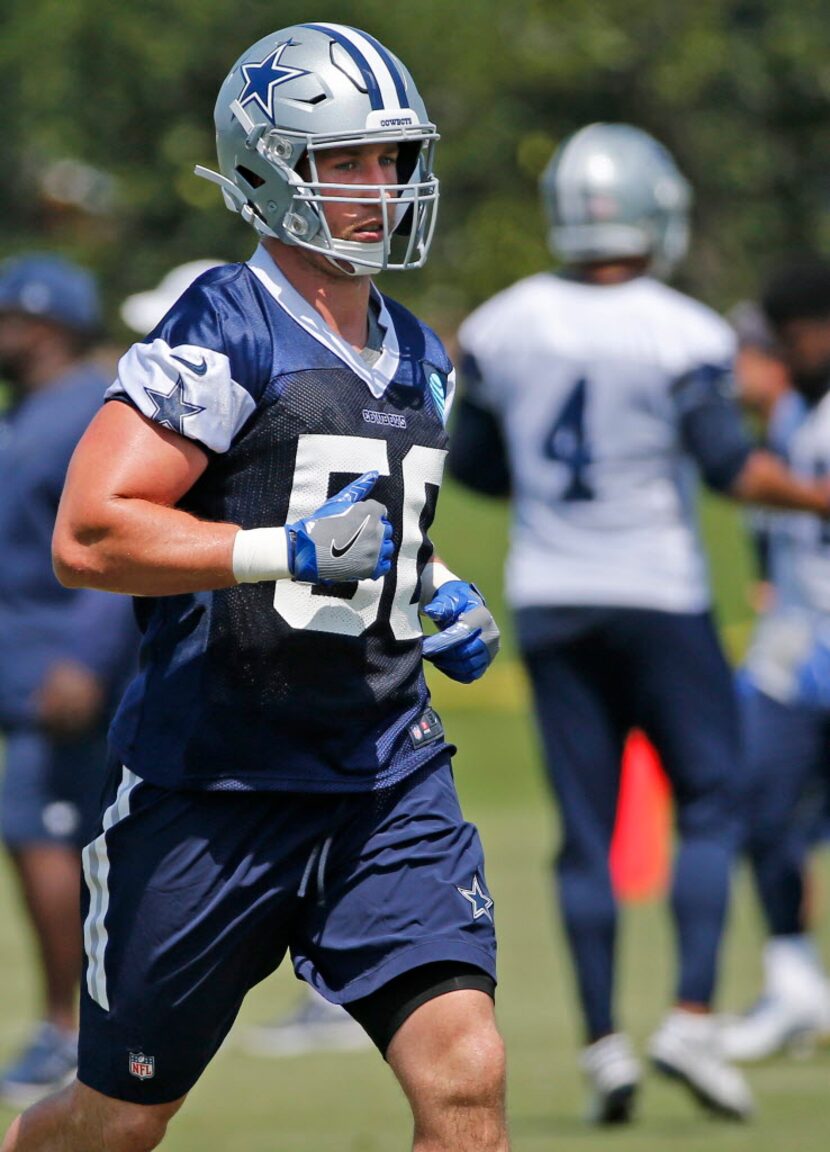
<point x="260" y="554"/>
<point x="435" y="574"/>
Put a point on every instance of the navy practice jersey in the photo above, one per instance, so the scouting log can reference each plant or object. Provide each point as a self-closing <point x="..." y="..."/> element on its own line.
<point x="287" y="686"/>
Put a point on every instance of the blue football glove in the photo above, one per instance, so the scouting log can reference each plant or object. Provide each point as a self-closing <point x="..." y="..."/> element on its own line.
<point x="347" y="538"/>
<point x="469" y="638"/>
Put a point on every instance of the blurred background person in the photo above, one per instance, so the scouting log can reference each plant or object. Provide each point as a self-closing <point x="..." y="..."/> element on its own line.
<point x="593" y="397"/>
<point x="142" y="311"/>
<point x="64" y="655"/>
<point x="761" y="372"/>
<point x="786" y="682"/>
<point x="762" y="379"/>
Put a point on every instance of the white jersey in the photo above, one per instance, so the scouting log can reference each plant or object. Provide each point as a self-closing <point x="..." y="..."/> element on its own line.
<point x="789" y="657"/>
<point x="581" y="380"/>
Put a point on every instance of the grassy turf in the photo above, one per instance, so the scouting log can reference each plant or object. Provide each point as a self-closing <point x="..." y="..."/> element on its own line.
<point x="350" y="1103"/>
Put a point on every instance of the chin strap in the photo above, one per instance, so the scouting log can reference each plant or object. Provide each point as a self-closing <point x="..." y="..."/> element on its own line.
<point x="354" y="267"/>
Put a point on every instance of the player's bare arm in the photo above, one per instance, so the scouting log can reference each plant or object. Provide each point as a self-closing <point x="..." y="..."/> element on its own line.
<point x="118" y="528"/>
<point x="765" y="479"/>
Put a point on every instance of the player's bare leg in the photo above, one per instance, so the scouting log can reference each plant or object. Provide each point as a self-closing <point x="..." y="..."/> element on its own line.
<point x="449" y="1058"/>
<point x="49" y="877"/>
<point x="79" y="1119"/>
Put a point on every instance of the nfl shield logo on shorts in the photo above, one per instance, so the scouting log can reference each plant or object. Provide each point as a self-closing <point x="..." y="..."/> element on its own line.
<point x="141" y="1066"/>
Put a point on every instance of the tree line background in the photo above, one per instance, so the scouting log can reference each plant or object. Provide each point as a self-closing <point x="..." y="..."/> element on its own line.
<point x="107" y="107"/>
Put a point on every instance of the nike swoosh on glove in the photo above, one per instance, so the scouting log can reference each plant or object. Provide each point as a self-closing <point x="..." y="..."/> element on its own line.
<point x="469" y="638"/>
<point x="347" y="538"/>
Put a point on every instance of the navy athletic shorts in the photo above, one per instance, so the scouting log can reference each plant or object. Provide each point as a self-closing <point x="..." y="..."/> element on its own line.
<point x="192" y="898"/>
<point x="51" y="791"/>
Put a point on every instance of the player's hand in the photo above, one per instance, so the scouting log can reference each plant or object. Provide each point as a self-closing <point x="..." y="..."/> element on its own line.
<point x="469" y="638"/>
<point x="347" y="538"/>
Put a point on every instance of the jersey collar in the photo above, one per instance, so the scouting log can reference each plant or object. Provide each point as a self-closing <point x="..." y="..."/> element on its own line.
<point x="377" y="376"/>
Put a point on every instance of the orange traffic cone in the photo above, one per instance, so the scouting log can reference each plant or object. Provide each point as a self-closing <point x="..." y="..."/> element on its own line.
<point x="640" y="848"/>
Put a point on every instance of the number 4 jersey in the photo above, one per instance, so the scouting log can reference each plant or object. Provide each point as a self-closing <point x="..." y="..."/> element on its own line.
<point x="606" y="399"/>
<point x="287" y="686"/>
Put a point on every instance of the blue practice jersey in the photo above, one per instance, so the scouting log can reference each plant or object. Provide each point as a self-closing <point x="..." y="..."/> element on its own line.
<point x="287" y="686"/>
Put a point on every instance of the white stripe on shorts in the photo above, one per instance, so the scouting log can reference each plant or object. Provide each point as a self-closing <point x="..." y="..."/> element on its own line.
<point x="96" y="865"/>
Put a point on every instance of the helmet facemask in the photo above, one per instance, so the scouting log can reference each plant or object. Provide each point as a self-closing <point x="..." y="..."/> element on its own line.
<point x="406" y="209"/>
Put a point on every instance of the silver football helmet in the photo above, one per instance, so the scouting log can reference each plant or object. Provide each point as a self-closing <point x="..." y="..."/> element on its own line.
<point x="311" y="87"/>
<point x="612" y="191"/>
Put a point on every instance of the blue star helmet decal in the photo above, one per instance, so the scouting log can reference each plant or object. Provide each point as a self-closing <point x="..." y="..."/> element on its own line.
<point x="262" y="78"/>
<point x="170" y="409"/>
<point x="478" y="899"/>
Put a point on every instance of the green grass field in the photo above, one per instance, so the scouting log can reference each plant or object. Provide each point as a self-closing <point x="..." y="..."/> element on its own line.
<point x="350" y="1103"/>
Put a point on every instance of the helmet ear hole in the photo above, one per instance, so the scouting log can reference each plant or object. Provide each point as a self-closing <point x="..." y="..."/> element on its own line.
<point x="249" y="177"/>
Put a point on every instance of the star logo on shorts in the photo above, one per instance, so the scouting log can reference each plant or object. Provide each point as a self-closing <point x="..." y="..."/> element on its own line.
<point x="478" y="899"/>
<point x="170" y="409"/>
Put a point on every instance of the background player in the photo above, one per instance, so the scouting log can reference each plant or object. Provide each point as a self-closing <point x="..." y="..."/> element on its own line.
<point x="786" y="682"/>
<point x="594" y="395"/>
<point x="282" y="781"/>
<point x="64" y="653"/>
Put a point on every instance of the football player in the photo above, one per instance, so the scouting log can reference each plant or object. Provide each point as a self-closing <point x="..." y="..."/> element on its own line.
<point x="263" y="479"/>
<point x="596" y="395"/>
<point x="786" y="682"/>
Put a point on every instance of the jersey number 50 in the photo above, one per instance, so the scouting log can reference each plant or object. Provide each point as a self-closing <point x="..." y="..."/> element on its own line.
<point x="302" y="606"/>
